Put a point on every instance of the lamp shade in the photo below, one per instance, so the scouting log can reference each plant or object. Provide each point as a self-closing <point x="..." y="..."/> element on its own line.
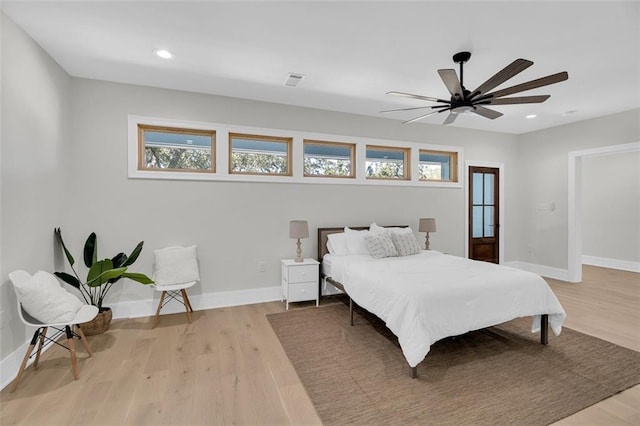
<point x="298" y="229"/>
<point x="427" y="225"/>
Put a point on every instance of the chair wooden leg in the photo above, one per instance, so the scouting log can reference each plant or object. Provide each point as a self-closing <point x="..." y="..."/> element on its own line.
<point x="72" y="352"/>
<point x="83" y="340"/>
<point x="43" y="333"/>
<point x="188" y="302"/>
<point x="34" y="340"/>
<point x="155" y="319"/>
<point x="187" y="305"/>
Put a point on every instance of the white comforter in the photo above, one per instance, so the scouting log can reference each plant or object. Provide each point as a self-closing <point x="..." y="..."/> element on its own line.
<point x="429" y="296"/>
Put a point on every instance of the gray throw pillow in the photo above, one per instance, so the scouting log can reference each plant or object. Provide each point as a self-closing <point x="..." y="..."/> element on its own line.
<point x="405" y="243"/>
<point x="381" y="245"/>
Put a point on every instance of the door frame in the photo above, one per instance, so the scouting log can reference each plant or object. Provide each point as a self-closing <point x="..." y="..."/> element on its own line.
<point x="500" y="167"/>
<point x="574" y="231"/>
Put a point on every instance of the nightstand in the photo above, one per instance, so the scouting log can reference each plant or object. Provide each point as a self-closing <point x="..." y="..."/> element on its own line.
<point x="300" y="281"/>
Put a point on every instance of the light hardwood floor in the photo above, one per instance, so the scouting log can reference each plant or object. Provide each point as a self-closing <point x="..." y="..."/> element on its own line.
<point x="229" y="368"/>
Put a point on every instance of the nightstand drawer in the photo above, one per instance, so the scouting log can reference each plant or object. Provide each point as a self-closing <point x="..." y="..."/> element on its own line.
<point x="303" y="291"/>
<point x="302" y="273"/>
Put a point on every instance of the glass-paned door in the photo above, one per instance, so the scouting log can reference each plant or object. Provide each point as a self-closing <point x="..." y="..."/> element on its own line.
<point x="483" y="214"/>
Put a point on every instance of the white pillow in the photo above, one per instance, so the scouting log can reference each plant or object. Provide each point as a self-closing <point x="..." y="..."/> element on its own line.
<point x="43" y="298"/>
<point x="405" y="243"/>
<point x="356" y="243"/>
<point x="374" y="228"/>
<point x="176" y="265"/>
<point x="380" y="245"/>
<point x="377" y="229"/>
<point x="337" y="244"/>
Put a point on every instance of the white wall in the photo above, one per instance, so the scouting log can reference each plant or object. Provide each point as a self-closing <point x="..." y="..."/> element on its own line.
<point x="544" y="179"/>
<point x="611" y="206"/>
<point x="235" y="224"/>
<point x="35" y="135"/>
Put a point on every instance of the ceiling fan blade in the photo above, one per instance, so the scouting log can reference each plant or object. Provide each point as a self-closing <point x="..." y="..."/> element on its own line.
<point x="533" y="84"/>
<point x="404" y="109"/>
<point x="411" y="95"/>
<point x="519" y="100"/>
<point x="486" y="112"/>
<point x="450" y="119"/>
<point x="511" y="70"/>
<point x="420" y="117"/>
<point x="414" y="108"/>
<point x="450" y="79"/>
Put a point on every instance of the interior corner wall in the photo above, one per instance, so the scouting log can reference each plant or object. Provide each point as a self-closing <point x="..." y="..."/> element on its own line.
<point x="237" y="225"/>
<point x="611" y="207"/>
<point x="544" y="181"/>
<point x="35" y="136"/>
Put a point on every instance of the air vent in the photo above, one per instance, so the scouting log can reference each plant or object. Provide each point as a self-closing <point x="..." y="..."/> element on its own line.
<point x="292" y="80"/>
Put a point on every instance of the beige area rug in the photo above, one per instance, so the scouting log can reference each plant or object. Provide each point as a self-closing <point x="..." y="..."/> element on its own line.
<point x="500" y="375"/>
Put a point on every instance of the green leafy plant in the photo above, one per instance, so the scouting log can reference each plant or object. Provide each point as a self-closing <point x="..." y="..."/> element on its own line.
<point x="102" y="274"/>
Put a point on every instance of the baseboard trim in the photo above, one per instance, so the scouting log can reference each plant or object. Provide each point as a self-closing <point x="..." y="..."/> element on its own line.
<point x="147" y="307"/>
<point x="10" y="365"/>
<point x="143" y="308"/>
<point x="623" y="265"/>
<point x="545" y="271"/>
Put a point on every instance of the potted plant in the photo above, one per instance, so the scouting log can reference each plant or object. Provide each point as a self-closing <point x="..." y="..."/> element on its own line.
<point x="101" y="276"/>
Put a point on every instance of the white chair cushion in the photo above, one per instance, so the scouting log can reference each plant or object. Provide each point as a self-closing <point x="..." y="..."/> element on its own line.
<point x="44" y="299"/>
<point x="176" y="265"/>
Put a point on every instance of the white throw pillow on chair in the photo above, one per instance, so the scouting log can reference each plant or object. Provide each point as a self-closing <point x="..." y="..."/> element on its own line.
<point x="176" y="265"/>
<point x="44" y="299"/>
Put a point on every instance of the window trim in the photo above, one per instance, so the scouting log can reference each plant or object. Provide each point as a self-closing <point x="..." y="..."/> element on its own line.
<point x="261" y="138"/>
<point x="453" y="156"/>
<point x="169" y="129"/>
<point x="352" y="157"/>
<point x="297" y="167"/>
<point x="406" y="162"/>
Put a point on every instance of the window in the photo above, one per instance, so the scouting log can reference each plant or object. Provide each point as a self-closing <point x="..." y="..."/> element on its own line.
<point x="387" y="162"/>
<point x="438" y="166"/>
<point x="254" y="154"/>
<point x="176" y="149"/>
<point x="160" y="148"/>
<point x="329" y="159"/>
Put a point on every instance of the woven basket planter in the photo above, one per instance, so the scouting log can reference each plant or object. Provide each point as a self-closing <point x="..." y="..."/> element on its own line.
<point x="99" y="324"/>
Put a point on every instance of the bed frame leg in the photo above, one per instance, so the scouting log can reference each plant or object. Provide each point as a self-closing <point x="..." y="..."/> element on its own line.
<point x="414" y="372"/>
<point x="351" y="310"/>
<point x="544" y="329"/>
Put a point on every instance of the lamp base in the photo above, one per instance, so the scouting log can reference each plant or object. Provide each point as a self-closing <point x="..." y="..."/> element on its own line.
<point x="299" y="257"/>
<point x="426" y="242"/>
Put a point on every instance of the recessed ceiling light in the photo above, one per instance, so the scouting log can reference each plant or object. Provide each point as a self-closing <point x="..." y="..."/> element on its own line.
<point x="531" y="116"/>
<point x="163" y="53"/>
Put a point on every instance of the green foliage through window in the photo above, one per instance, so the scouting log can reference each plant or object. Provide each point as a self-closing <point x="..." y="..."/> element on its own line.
<point x="177" y="158"/>
<point x="254" y="154"/>
<point x="438" y="166"/>
<point x="386" y="163"/>
<point x="331" y="159"/>
<point x="168" y="148"/>
<point x="246" y="162"/>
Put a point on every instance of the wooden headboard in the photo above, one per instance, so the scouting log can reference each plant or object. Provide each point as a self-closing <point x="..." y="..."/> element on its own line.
<point x="323" y="234"/>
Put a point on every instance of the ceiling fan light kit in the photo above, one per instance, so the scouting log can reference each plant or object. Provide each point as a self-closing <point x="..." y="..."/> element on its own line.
<point x="464" y="101"/>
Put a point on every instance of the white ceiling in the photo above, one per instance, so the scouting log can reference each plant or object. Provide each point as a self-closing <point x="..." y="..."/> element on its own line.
<point x="352" y="53"/>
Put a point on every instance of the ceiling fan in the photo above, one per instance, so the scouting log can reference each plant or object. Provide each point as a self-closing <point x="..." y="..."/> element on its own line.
<point x="467" y="101"/>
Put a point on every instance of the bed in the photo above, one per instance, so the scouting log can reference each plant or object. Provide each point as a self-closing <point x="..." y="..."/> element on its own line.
<point x="428" y="296"/>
